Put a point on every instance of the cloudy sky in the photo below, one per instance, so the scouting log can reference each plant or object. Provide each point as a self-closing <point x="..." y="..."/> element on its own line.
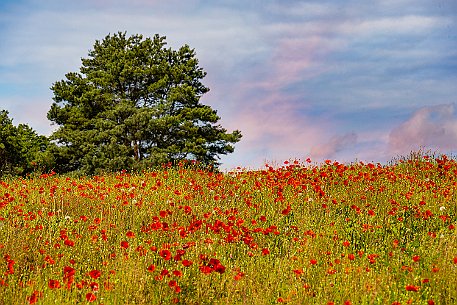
<point x="326" y="79"/>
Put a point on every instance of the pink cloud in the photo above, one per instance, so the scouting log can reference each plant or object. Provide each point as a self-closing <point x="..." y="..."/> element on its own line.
<point x="432" y="127"/>
<point x="295" y="58"/>
<point x="274" y="122"/>
<point x="292" y="58"/>
<point x="336" y="144"/>
<point x="273" y="131"/>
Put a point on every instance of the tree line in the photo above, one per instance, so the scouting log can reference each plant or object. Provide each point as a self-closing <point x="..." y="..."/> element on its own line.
<point x="134" y="104"/>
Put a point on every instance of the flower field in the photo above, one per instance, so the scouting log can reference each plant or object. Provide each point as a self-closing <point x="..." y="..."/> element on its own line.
<point x="301" y="233"/>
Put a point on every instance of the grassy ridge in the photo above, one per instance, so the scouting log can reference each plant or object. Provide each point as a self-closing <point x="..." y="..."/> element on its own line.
<point x="298" y="234"/>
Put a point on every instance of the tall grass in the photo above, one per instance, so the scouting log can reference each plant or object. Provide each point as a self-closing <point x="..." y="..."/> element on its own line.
<point x="298" y="234"/>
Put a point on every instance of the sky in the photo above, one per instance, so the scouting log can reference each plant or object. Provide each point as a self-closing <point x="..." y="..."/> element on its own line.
<point x="348" y="81"/>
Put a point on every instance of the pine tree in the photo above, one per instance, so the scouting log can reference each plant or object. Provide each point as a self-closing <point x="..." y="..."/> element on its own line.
<point x="135" y="104"/>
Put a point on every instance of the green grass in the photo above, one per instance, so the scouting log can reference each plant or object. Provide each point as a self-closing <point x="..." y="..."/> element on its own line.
<point x="298" y="234"/>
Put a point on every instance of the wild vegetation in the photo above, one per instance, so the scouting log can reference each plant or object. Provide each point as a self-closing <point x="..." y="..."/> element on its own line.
<point x="302" y="233"/>
<point x="22" y="150"/>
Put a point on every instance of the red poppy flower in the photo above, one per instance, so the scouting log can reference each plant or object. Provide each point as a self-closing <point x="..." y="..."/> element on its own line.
<point x="34" y="297"/>
<point x="49" y="260"/>
<point x="124" y="244"/>
<point x="182" y="233"/>
<point x="313" y="261"/>
<point x="416" y="258"/>
<point x="10" y="266"/>
<point x="219" y="268"/>
<point x="179" y="254"/>
<point x="94" y="286"/>
<point x="68" y="271"/>
<point x="206" y="269"/>
<point x="130" y="234"/>
<point x="165" y="254"/>
<point x="53" y="284"/>
<point x="90" y="297"/>
<point x="69" y="243"/>
<point x="164" y="272"/>
<point x="151" y="268"/>
<point x="187" y="209"/>
<point x="238" y="276"/>
<point x="412" y="288"/>
<point x="186" y="263"/>
<point x="95" y="274"/>
<point x="286" y="211"/>
<point x="81" y="284"/>
<point x="265" y="251"/>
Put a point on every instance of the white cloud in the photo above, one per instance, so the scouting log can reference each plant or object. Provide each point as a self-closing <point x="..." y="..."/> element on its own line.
<point x="391" y="26"/>
<point x="402" y="24"/>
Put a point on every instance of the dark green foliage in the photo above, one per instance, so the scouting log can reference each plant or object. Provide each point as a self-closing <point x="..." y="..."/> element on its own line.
<point x="21" y="149"/>
<point x="135" y="104"/>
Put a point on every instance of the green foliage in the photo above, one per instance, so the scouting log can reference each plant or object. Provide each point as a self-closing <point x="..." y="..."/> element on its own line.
<point x="135" y="104"/>
<point x="22" y="150"/>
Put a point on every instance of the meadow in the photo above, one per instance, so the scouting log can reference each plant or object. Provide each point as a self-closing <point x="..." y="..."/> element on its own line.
<point x="298" y="233"/>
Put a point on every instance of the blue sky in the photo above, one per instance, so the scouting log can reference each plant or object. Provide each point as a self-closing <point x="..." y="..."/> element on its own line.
<point x="340" y="80"/>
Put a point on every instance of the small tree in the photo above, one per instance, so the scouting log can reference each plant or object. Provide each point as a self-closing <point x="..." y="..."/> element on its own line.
<point x="22" y="150"/>
<point x="135" y="103"/>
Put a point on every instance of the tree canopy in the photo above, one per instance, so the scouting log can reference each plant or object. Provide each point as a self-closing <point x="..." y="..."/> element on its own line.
<point x="22" y="150"/>
<point x="135" y="103"/>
